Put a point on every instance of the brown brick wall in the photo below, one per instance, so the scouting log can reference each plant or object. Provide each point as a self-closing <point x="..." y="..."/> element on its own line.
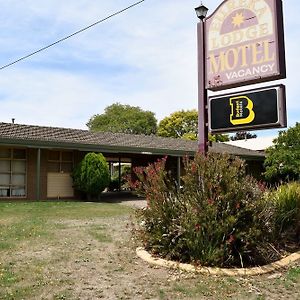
<point x="255" y="168"/>
<point x="31" y="156"/>
<point x="43" y="178"/>
<point x="31" y="173"/>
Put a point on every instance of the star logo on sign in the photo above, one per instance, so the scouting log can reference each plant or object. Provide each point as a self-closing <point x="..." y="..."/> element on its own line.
<point x="238" y="20"/>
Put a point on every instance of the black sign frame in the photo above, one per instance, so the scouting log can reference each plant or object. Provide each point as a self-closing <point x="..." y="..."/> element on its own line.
<point x="255" y="109"/>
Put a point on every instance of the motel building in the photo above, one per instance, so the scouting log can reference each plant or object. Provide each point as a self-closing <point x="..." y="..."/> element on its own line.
<point x="36" y="162"/>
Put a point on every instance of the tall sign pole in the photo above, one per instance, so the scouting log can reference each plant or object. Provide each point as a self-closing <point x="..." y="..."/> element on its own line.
<point x="202" y="91"/>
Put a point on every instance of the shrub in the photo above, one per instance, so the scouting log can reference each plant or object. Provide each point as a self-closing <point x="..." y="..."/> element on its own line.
<point x="91" y="175"/>
<point x="215" y="219"/>
<point x="286" y="201"/>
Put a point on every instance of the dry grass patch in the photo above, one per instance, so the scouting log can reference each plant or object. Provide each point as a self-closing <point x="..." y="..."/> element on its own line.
<point x="85" y="251"/>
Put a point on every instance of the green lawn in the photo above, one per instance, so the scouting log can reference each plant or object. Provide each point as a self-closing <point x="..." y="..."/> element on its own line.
<point x="26" y="227"/>
<point x="76" y="250"/>
<point x="64" y="210"/>
<point x="29" y="221"/>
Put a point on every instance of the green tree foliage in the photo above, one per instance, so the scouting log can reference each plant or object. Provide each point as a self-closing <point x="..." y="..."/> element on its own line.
<point x="184" y="124"/>
<point x="125" y="119"/>
<point x="179" y="124"/>
<point x="218" y="137"/>
<point x="243" y="135"/>
<point x="283" y="159"/>
<point x="91" y="175"/>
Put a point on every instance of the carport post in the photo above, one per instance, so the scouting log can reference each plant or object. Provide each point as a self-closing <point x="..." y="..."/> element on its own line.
<point x="178" y="171"/>
<point x="38" y="174"/>
<point x="119" y="173"/>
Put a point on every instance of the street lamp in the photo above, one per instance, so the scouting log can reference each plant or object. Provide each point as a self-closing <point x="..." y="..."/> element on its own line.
<point x="201" y="12"/>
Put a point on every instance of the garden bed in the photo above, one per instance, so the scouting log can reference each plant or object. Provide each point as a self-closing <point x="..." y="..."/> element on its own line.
<point x="272" y="267"/>
<point x="219" y="217"/>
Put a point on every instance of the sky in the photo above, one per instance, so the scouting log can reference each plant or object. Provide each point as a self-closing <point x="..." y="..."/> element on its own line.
<point x="145" y="57"/>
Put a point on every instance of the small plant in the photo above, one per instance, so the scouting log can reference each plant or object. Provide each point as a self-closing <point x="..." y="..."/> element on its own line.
<point x="7" y="276"/>
<point x="293" y="274"/>
<point x="286" y="201"/>
<point x="215" y="219"/>
<point x="91" y="175"/>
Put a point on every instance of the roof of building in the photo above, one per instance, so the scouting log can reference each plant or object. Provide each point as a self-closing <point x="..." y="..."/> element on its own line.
<point x="55" y="137"/>
<point x="257" y="144"/>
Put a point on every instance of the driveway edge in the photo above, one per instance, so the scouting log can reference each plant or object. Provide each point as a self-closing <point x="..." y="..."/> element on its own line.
<point x="146" y="256"/>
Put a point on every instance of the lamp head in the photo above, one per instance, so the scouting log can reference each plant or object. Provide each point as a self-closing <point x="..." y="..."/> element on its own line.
<point x="201" y="11"/>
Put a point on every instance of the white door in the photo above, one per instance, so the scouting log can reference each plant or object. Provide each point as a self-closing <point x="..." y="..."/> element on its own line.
<point x="59" y="185"/>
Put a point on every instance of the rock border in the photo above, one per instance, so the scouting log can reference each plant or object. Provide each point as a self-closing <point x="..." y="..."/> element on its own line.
<point x="146" y="256"/>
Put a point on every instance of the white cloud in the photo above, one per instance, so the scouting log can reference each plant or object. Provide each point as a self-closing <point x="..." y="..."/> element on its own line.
<point x="145" y="57"/>
<point x="57" y="99"/>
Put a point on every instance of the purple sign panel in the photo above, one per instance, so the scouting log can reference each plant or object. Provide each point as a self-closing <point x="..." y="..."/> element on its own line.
<point x="244" y="43"/>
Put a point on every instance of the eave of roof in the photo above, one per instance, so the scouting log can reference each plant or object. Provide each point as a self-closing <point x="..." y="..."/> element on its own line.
<point x="91" y="147"/>
<point x="84" y="140"/>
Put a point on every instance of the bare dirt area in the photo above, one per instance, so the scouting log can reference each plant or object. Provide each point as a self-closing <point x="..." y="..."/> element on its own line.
<point x="95" y="258"/>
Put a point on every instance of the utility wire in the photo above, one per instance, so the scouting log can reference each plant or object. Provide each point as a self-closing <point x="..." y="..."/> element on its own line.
<point x="71" y="35"/>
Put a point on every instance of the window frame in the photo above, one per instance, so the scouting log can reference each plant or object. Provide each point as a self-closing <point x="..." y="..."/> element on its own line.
<point x="60" y="161"/>
<point x="10" y="186"/>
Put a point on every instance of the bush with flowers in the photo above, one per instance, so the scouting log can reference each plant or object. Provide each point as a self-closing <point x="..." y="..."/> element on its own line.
<point x="217" y="218"/>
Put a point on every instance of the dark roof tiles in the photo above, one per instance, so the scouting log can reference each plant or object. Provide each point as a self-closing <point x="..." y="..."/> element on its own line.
<point x="18" y="132"/>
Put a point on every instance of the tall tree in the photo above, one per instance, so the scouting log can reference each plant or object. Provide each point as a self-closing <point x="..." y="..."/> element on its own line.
<point x="184" y="124"/>
<point x="283" y="158"/>
<point x="125" y="119"/>
<point x="243" y="135"/>
<point x="179" y="124"/>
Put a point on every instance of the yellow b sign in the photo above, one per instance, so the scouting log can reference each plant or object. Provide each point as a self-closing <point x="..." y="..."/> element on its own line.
<point x="253" y="109"/>
<point x="241" y="110"/>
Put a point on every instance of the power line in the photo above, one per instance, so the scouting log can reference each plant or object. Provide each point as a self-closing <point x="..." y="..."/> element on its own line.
<point x="71" y="35"/>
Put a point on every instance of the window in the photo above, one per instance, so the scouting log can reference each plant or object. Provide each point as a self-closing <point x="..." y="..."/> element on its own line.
<point x="60" y="161"/>
<point x="12" y="172"/>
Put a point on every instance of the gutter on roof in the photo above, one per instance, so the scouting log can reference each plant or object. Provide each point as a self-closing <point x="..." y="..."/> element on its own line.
<point x="91" y="147"/>
<point x="30" y="143"/>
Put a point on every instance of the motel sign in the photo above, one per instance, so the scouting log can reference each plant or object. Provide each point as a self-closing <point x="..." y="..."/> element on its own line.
<point x="244" y="44"/>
